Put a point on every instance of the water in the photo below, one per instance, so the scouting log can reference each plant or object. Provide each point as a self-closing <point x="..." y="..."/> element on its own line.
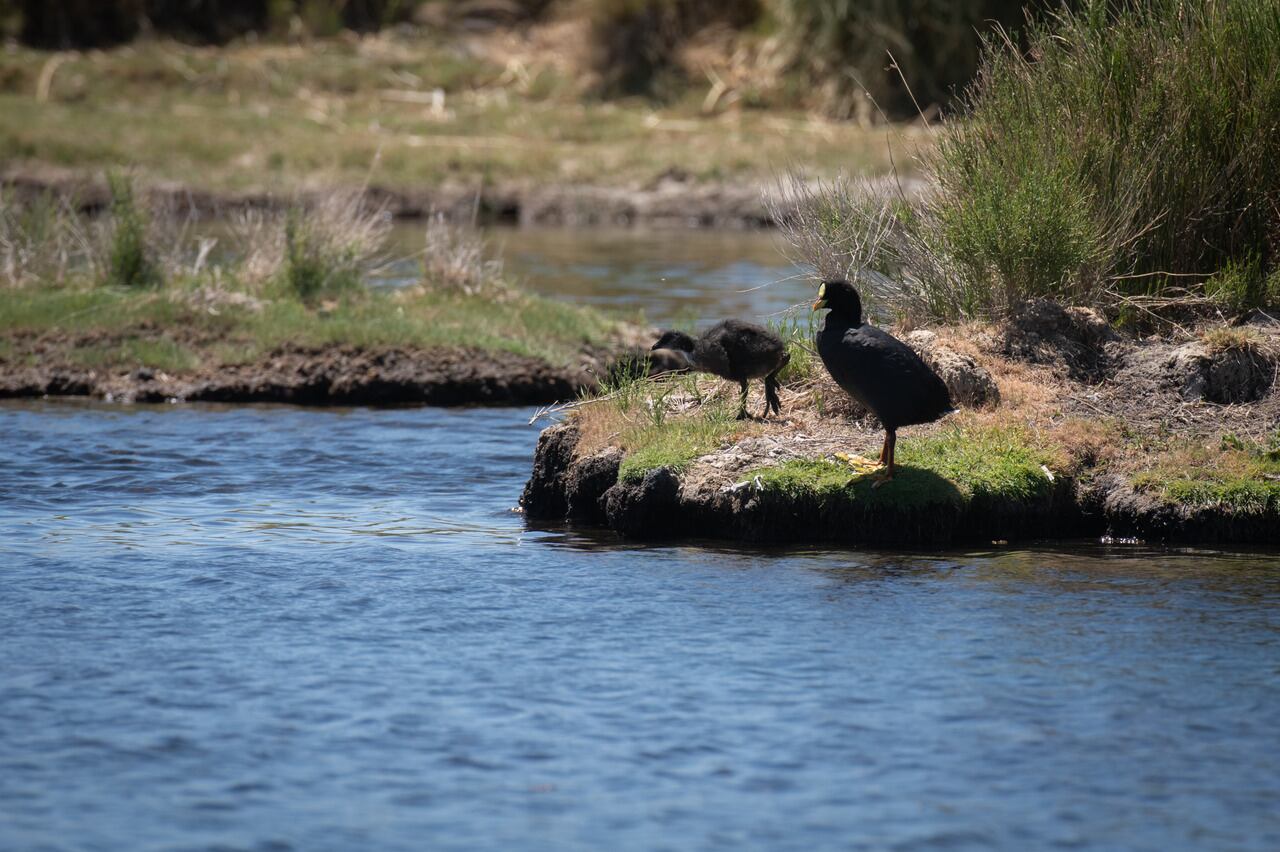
<point x="673" y="276"/>
<point x="272" y="628"/>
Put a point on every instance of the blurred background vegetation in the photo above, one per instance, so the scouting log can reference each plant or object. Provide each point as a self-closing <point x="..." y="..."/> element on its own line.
<point x="823" y="54"/>
<point x="1103" y="151"/>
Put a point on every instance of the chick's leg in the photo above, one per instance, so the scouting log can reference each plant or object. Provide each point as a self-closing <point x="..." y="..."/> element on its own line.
<point x="771" y="401"/>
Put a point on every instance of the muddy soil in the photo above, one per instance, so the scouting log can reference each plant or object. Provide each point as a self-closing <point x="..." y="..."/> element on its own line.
<point x="342" y="375"/>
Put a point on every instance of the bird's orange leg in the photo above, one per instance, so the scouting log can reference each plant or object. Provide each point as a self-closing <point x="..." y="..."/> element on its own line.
<point x="886" y="457"/>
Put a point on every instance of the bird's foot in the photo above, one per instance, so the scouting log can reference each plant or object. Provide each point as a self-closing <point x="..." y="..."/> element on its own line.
<point x="861" y="464"/>
<point x="882" y="479"/>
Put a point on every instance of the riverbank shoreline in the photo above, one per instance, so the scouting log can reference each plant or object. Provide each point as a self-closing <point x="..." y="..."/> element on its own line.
<point x="587" y="493"/>
<point x="325" y="376"/>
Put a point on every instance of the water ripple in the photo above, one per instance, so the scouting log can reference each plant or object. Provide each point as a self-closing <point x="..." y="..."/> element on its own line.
<point x="270" y="628"/>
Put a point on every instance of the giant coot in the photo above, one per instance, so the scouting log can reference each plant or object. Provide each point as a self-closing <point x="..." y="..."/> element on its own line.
<point x="734" y="350"/>
<point x="875" y="368"/>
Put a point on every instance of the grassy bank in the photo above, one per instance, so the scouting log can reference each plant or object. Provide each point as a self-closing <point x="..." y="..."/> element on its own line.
<point x="134" y="289"/>
<point x="188" y="326"/>
<point x="396" y="110"/>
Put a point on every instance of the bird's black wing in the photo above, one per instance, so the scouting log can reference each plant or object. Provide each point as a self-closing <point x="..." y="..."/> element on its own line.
<point x="884" y="374"/>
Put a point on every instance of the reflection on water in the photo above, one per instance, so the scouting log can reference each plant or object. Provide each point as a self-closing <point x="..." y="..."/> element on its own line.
<point x="672" y="275"/>
<point x="265" y="627"/>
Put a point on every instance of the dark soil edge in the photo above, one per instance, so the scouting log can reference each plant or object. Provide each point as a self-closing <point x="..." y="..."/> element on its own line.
<point x="587" y="492"/>
<point x="668" y="202"/>
<point x="327" y="376"/>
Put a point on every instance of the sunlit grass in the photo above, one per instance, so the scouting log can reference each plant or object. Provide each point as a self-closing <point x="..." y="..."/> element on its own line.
<point x="517" y="322"/>
<point x="952" y="468"/>
<point x="277" y="116"/>
<point x="1233" y="474"/>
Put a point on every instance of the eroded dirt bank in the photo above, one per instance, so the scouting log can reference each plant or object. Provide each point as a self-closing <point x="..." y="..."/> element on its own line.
<point x="673" y="200"/>
<point x="339" y="375"/>
<point x="1159" y="439"/>
<point x="666" y="505"/>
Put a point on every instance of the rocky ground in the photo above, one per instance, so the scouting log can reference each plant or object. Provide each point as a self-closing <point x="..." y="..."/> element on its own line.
<point x="1133" y="437"/>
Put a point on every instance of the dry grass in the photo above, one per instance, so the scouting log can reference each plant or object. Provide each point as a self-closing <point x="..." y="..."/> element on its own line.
<point x="456" y="258"/>
<point x="1240" y="338"/>
<point x="43" y="242"/>
<point x="424" y="111"/>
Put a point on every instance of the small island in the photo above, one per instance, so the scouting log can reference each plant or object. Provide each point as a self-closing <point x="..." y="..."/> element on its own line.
<point x="1068" y="428"/>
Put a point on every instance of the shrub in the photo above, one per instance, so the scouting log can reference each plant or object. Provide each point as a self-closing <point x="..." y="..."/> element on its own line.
<point x="209" y="20"/>
<point x="1134" y="145"/>
<point x="129" y="258"/>
<point x="102" y="23"/>
<point x="62" y="24"/>
<point x="331" y="246"/>
<point x="1126" y="154"/>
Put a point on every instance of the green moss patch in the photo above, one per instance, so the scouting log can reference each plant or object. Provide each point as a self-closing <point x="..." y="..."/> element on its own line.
<point x="950" y="469"/>
<point x="1237" y="476"/>
<point x="826" y="483"/>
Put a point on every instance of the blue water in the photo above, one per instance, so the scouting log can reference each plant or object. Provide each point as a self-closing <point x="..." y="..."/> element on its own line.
<point x="275" y="628"/>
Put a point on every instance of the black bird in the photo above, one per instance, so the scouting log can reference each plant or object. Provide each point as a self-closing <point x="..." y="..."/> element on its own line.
<point x="734" y="350"/>
<point x="875" y="368"/>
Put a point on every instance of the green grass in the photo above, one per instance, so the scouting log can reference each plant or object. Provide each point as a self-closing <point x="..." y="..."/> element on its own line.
<point x="649" y="418"/>
<point x="161" y="354"/>
<point x="519" y="322"/>
<point x="164" y="329"/>
<point x="797" y="332"/>
<point x="952" y="469"/>
<point x="1239" y="476"/>
<point x="288" y="280"/>
<point x="674" y="445"/>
